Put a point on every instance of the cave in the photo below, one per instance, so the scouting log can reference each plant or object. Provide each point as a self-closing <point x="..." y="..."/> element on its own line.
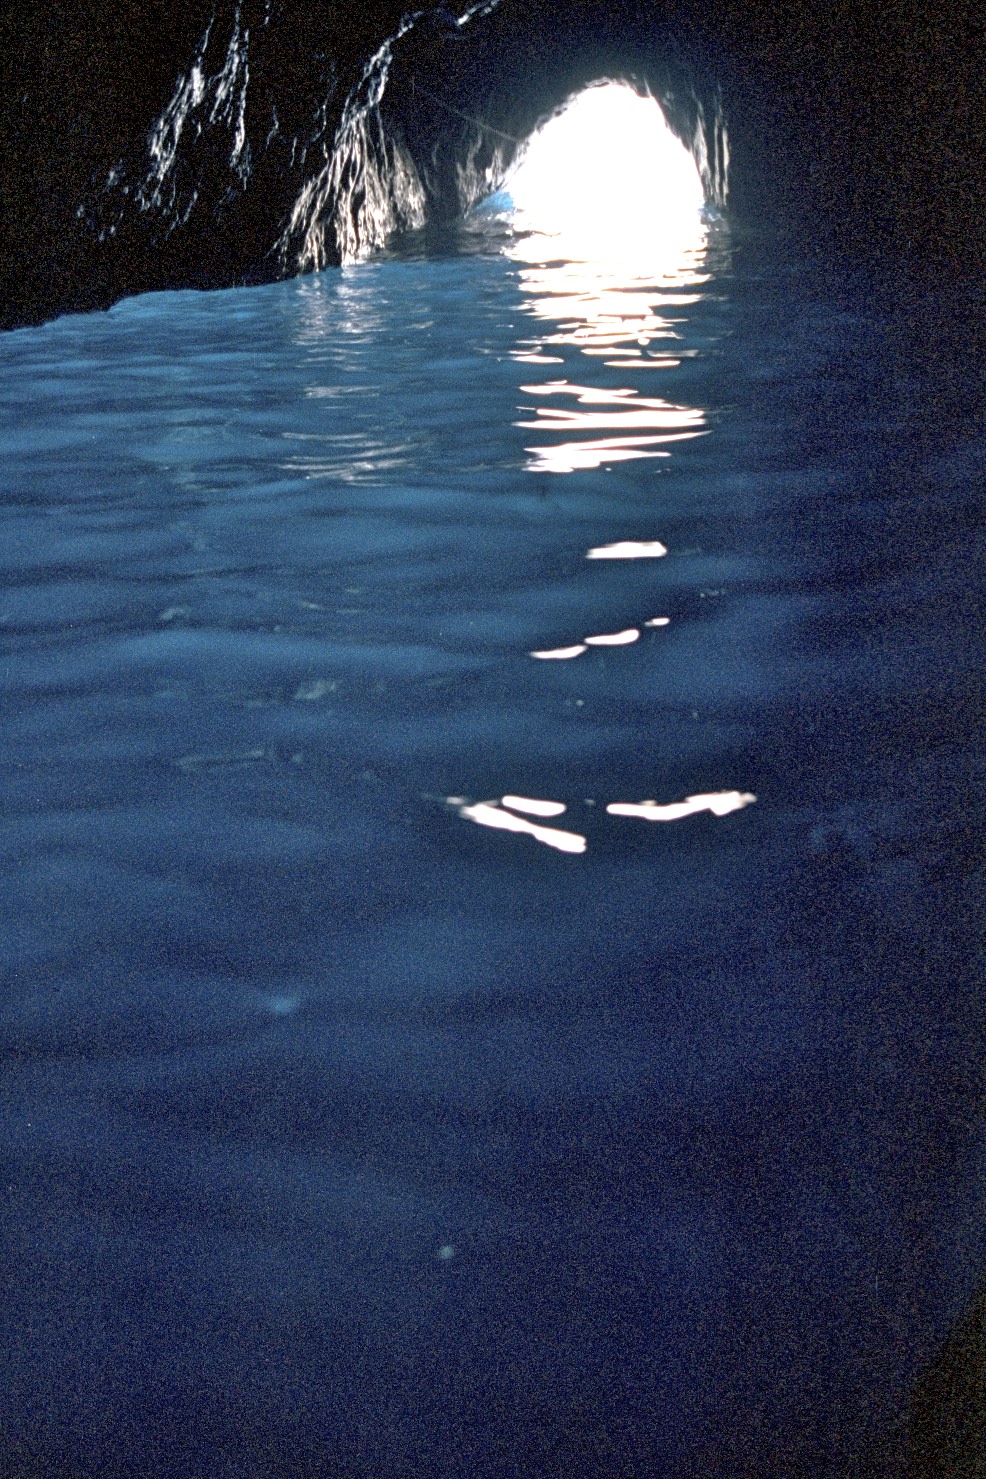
<point x="491" y="874"/>
<point x="146" y="146"/>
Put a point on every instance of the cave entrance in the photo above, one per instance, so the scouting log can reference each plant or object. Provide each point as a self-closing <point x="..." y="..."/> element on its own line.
<point x="604" y="179"/>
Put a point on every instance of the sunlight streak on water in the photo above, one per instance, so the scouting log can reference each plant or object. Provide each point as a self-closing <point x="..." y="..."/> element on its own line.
<point x="628" y="549"/>
<point x="489" y="814"/>
<point x="614" y="639"/>
<point x="561" y="653"/>
<point x="720" y="804"/>
<point x="675" y="423"/>
<point x="501" y="815"/>
<point x="534" y="807"/>
<point x="623" y="313"/>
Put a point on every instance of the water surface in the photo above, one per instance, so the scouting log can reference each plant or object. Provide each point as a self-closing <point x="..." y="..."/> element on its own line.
<point x="488" y="773"/>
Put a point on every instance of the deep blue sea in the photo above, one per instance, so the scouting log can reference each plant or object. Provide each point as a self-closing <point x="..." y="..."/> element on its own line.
<point x="490" y="793"/>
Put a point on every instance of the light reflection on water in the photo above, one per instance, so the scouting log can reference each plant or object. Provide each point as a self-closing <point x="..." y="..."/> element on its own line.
<point x="500" y="815"/>
<point x="619" y="308"/>
<point x="675" y="424"/>
<point x="624" y="313"/>
<point x="617" y="315"/>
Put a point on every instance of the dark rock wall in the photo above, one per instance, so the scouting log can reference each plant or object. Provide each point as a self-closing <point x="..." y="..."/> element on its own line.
<point x="147" y="145"/>
<point x="948" y="1408"/>
<point x="867" y="119"/>
<point x="144" y="144"/>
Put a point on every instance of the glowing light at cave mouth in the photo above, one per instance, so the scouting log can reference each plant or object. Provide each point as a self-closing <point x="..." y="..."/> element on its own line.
<point x="607" y="178"/>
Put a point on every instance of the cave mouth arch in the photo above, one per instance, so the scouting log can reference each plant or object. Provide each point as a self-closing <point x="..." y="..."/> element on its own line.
<point x="462" y="104"/>
<point x="605" y="177"/>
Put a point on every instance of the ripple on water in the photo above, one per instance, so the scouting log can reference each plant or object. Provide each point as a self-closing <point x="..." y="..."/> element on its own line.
<point x="487" y="775"/>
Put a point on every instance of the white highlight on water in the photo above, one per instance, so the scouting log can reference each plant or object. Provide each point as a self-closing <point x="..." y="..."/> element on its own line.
<point x="488" y="814"/>
<point x="720" y="803"/>
<point x="533" y="807"/>
<point x="614" y="639"/>
<point x="628" y="549"/>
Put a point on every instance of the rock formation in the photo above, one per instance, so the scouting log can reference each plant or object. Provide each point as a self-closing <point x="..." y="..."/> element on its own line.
<point x="948" y="1407"/>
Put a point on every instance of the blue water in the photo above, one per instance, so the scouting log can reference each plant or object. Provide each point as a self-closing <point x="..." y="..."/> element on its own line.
<point x="352" y="1129"/>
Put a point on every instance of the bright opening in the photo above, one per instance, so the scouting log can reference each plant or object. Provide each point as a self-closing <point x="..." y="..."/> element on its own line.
<point x="607" y="179"/>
